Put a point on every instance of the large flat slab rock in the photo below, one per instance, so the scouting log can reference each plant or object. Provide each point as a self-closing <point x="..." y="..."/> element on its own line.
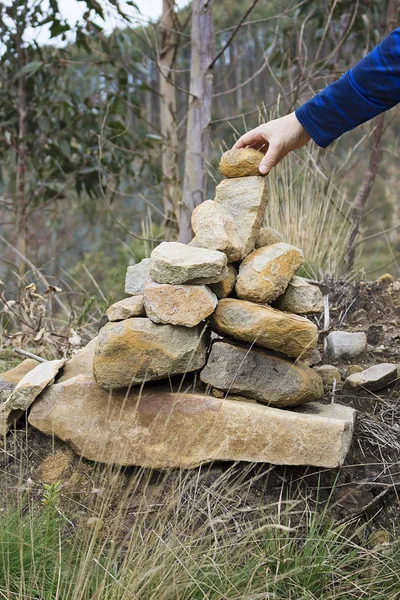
<point x="290" y="334"/>
<point x="214" y="228"/>
<point x="262" y="375"/>
<point x="265" y="273"/>
<point x="243" y="162"/>
<point x="176" y="263"/>
<point x="10" y="378"/>
<point x="185" y="305"/>
<point x="245" y="200"/>
<point x="136" y="276"/>
<point x="157" y="429"/>
<point x="133" y="351"/>
<point x="374" y="378"/>
<point x="301" y="298"/>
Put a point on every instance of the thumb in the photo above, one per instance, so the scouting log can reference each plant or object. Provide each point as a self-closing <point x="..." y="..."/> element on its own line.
<point x="271" y="158"/>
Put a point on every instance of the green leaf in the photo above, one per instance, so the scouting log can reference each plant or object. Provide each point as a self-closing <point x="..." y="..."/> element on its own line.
<point x="58" y="28"/>
<point x="30" y="68"/>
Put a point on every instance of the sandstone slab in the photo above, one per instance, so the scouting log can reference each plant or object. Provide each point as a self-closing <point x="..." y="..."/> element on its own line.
<point x="301" y="298"/>
<point x="136" y="276"/>
<point x="373" y="379"/>
<point x="10" y="378"/>
<point x="245" y="200"/>
<point x="261" y="375"/>
<point x="269" y="236"/>
<point x="215" y="229"/>
<point x="242" y="162"/>
<point x="265" y="273"/>
<point x="345" y="344"/>
<point x="176" y="263"/>
<point x="224" y="288"/>
<point x="136" y="350"/>
<point x="80" y="363"/>
<point x="127" y="308"/>
<point x="185" y="305"/>
<point x="290" y="334"/>
<point x="156" y="429"/>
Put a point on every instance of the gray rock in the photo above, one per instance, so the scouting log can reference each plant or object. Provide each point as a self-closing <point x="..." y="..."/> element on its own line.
<point x="300" y="298"/>
<point x="329" y="374"/>
<point x="175" y="263"/>
<point x="373" y="379"/>
<point x="133" y="351"/>
<point x="261" y="375"/>
<point x="136" y="276"/>
<point x="344" y="344"/>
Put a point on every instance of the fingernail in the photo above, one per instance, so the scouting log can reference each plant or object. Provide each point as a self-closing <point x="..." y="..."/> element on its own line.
<point x="263" y="169"/>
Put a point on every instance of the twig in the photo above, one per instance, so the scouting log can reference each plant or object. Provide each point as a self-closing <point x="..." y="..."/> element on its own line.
<point x="30" y="355"/>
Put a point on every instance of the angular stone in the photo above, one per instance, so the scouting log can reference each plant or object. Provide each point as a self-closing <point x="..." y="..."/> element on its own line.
<point x="136" y="276"/>
<point x="175" y="263"/>
<point x="225" y="287"/>
<point x="269" y="236"/>
<point x="243" y="162"/>
<point x="261" y="375"/>
<point x="344" y="344"/>
<point x="301" y="298"/>
<point x="290" y="334"/>
<point x="10" y="378"/>
<point x="127" y="308"/>
<point x="80" y="363"/>
<point x="27" y="390"/>
<point x="157" y="429"/>
<point x="136" y="350"/>
<point x="185" y="305"/>
<point x="215" y="229"/>
<point x="330" y="374"/>
<point x="245" y="201"/>
<point x="373" y="379"/>
<point x="265" y="273"/>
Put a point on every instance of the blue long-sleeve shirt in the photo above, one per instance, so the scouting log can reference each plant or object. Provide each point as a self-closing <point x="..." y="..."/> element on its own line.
<point x="368" y="89"/>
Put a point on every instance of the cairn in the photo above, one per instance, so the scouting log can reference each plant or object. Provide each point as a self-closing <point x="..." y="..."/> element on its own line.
<point x="228" y="307"/>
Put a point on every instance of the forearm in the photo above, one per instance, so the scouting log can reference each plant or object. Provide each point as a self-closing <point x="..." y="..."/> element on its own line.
<point x="368" y="89"/>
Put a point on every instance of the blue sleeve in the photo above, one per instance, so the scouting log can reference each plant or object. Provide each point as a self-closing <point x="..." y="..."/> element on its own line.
<point x="368" y="89"/>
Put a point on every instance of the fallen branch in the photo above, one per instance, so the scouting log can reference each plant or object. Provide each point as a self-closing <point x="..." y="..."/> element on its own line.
<point x="30" y="355"/>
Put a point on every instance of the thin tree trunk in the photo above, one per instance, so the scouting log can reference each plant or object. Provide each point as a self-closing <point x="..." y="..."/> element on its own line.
<point x="21" y="205"/>
<point x="168" y="121"/>
<point x="199" y="114"/>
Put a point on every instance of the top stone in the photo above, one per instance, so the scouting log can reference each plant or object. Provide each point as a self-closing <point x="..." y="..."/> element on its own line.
<point x="240" y="163"/>
<point x="176" y="263"/>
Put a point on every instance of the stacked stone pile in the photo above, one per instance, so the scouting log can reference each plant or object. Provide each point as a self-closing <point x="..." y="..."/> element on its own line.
<point x="234" y="284"/>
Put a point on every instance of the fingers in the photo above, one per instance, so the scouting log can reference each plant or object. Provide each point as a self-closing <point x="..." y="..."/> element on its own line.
<point x="272" y="157"/>
<point x="249" y="138"/>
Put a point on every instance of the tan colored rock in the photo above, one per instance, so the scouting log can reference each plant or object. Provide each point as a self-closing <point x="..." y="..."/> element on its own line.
<point x="185" y="305"/>
<point x="80" y="363"/>
<point x="215" y="229"/>
<point x="269" y="236"/>
<point x="176" y="263"/>
<point x="10" y="378"/>
<point x="245" y="201"/>
<point x="126" y="309"/>
<point x="242" y="162"/>
<point x="301" y="298"/>
<point x="27" y="390"/>
<point x="225" y="287"/>
<point x="265" y="273"/>
<point x="136" y="350"/>
<point x="157" y="429"/>
<point x="290" y="334"/>
<point x="136" y="276"/>
<point x="261" y="374"/>
<point x="330" y="375"/>
<point x="194" y="243"/>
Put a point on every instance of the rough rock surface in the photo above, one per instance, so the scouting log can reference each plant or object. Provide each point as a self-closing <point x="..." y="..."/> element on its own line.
<point x="185" y="305"/>
<point x="125" y="309"/>
<point x="301" y="298"/>
<point x="163" y="430"/>
<point x="265" y="273"/>
<point x="290" y="334"/>
<point x="225" y="287"/>
<point x="137" y="350"/>
<point x="373" y="379"/>
<point x="80" y="363"/>
<point x="345" y="344"/>
<point x="242" y="162"/>
<point x="269" y="236"/>
<point x="136" y="276"/>
<point x="10" y="378"/>
<point x="215" y="229"/>
<point x="176" y="263"/>
<point x="262" y="375"/>
<point x="329" y="374"/>
<point x="245" y="200"/>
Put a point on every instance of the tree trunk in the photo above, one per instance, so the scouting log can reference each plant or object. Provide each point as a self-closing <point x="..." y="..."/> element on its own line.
<point x="199" y="114"/>
<point x="21" y="204"/>
<point x="168" y="122"/>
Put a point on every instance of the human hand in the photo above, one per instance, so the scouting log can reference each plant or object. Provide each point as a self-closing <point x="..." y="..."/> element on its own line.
<point x="276" y="138"/>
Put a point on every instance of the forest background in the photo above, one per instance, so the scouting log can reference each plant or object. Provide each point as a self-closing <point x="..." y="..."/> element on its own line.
<point x="108" y="139"/>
